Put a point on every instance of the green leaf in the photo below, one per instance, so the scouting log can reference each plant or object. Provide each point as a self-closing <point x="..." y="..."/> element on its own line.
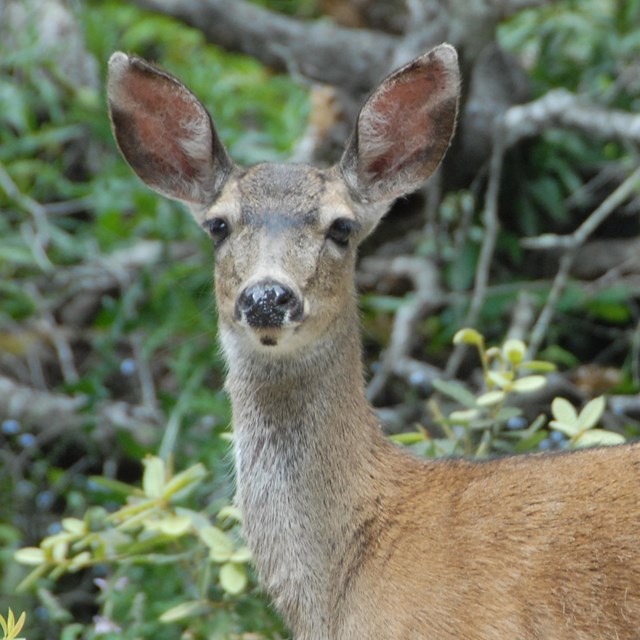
<point x="185" y="610"/>
<point x="32" y="556"/>
<point x="508" y="412"/>
<point x="411" y="437"/>
<point x="514" y="351"/>
<point x="463" y="417"/>
<point x="233" y="578"/>
<point x="502" y="379"/>
<point x="174" y="526"/>
<point x="114" y="486"/>
<point x="80" y="561"/>
<point x="528" y="384"/>
<point x="598" y="437"/>
<point x="219" y="543"/>
<point x="243" y="554"/>
<point x="563" y="411"/>
<point x="153" y="480"/>
<point x="541" y="366"/>
<point x="569" y="429"/>
<point x="74" y="526"/>
<point x="491" y="398"/>
<point x="468" y="336"/>
<point x="591" y="413"/>
<point x="230" y="512"/>
<point x="456" y="391"/>
<point x="186" y="479"/>
<point x="198" y="519"/>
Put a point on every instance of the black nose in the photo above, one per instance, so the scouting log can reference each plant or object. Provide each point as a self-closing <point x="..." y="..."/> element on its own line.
<point x="268" y="304"/>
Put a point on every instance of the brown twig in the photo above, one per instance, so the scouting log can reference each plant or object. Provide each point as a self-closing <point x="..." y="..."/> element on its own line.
<point x="354" y="59"/>
<point x="491" y="230"/>
<point x="573" y="242"/>
<point x="558" y="108"/>
<point x="57" y="413"/>
<point x="396" y="359"/>
<point x="36" y="236"/>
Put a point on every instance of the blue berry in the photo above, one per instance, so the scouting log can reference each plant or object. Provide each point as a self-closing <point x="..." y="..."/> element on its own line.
<point x="44" y="500"/>
<point x="128" y="367"/>
<point x="545" y="444"/>
<point x="516" y="422"/>
<point x="27" y="440"/>
<point x="10" y="427"/>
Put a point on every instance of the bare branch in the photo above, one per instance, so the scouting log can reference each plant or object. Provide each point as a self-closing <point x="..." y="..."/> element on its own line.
<point x="522" y="316"/>
<point x="558" y="108"/>
<point x="397" y="358"/>
<point x="491" y="230"/>
<point x="58" y="414"/>
<point x="577" y="239"/>
<point x="38" y="234"/>
<point x="562" y="109"/>
<point x="354" y="59"/>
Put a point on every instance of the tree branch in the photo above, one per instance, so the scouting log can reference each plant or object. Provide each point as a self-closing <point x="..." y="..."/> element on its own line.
<point x="60" y="414"/>
<point x="354" y="59"/>
<point x="491" y="230"/>
<point x="576" y="240"/>
<point x="562" y="109"/>
<point x="397" y="359"/>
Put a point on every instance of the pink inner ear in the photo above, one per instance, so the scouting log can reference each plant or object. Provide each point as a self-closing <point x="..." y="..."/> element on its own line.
<point x="403" y="123"/>
<point x="162" y="115"/>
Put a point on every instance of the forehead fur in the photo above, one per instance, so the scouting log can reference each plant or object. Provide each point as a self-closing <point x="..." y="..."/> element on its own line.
<point x="295" y="192"/>
<point x="281" y="196"/>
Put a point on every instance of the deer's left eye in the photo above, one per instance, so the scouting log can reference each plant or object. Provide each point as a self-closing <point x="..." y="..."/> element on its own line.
<point x="340" y="231"/>
<point x="218" y="229"/>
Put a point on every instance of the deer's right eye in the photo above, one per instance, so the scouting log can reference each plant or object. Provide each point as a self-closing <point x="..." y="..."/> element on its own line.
<point x="218" y="229"/>
<point x="340" y="231"/>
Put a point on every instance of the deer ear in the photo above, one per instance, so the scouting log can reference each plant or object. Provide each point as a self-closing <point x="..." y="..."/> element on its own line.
<point x="404" y="128"/>
<point x="164" y="132"/>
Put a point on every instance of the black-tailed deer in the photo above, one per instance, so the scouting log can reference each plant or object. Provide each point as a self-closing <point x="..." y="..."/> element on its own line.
<point x="354" y="538"/>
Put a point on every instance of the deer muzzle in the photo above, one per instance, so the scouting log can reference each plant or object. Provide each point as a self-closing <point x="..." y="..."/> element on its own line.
<point x="268" y="305"/>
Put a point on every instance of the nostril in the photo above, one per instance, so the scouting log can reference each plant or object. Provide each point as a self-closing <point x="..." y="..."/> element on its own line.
<point x="282" y="296"/>
<point x="248" y="298"/>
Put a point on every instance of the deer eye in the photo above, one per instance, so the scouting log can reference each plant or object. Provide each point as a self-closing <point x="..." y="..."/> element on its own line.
<point x="218" y="229"/>
<point x="340" y="231"/>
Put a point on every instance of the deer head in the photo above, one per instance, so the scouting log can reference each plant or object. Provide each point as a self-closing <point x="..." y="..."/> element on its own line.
<point x="285" y="236"/>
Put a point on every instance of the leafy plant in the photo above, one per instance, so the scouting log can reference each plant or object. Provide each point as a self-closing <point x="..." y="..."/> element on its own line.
<point x="580" y="428"/>
<point x="491" y="420"/>
<point x="12" y="627"/>
<point x="152" y="528"/>
<point x="485" y="422"/>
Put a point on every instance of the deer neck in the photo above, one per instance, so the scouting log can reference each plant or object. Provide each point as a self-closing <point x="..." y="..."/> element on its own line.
<point x="307" y="444"/>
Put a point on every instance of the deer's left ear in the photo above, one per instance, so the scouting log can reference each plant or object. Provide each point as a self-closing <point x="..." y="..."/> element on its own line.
<point x="404" y="128"/>
<point x="164" y="132"/>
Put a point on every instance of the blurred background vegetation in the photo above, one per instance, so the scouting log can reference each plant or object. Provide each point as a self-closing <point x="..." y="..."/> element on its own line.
<point x="108" y="327"/>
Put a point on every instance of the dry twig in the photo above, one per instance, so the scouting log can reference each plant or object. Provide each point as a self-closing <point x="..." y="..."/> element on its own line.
<point x="573" y="242"/>
<point x="396" y="359"/>
<point x="558" y="108"/>
<point x="57" y="414"/>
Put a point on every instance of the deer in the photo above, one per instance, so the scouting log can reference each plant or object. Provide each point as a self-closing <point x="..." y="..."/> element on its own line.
<point x="353" y="537"/>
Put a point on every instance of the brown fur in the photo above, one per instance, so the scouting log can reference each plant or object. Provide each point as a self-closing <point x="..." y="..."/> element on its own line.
<point x="352" y="537"/>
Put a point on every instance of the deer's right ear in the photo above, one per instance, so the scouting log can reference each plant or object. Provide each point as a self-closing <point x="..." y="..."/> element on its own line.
<point x="164" y="132"/>
<point x="404" y="128"/>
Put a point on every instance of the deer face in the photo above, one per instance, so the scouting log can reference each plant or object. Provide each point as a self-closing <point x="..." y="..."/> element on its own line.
<point x="285" y="238"/>
<point x="285" y="235"/>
